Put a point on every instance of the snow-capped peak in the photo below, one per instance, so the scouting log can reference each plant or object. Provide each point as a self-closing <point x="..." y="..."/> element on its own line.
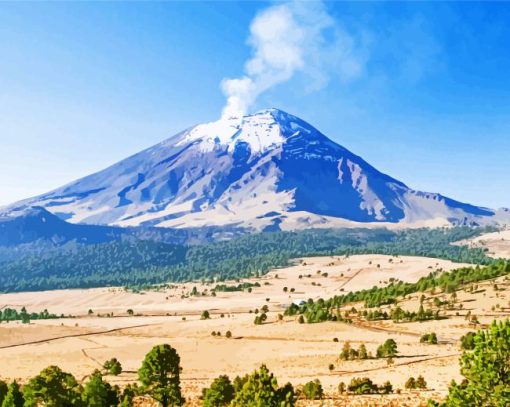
<point x="261" y="171"/>
<point x="261" y="131"/>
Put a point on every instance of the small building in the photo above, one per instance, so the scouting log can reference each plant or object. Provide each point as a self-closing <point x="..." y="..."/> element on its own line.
<point x="299" y="303"/>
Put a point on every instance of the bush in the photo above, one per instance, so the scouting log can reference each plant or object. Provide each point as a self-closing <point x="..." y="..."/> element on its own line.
<point x="365" y="386"/>
<point x="421" y="383"/>
<point x="205" y="315"/>
<point x="261" y="389"/>
<point x="313" y="390"/>
<point x="362" y="386"/>
<point x="113" y="367"/>
<point x="342" y="388"/>
<point x="386" y="388"/>
<point x="467" y="341"/>
<point x="429" y="338"/>
<point x="260" y="319"/>
<point x="410" y="383"/>
<point x="220" y="393"/>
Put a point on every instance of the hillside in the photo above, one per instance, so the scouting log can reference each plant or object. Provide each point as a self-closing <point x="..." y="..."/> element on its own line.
<point x="140" y="262"/>
<point x="261" y="172"/>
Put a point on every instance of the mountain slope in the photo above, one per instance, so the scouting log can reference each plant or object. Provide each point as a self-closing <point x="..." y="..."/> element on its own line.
<point x="265" y="171"/>
<point x="36" y="228"/>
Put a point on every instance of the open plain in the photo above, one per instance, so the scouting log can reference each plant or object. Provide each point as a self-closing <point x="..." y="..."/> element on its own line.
<point x="101" y="327"/>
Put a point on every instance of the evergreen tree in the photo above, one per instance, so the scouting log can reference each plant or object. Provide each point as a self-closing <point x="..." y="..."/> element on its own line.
<point x="98" y="393"/>
<point x="421" y="383"/>
<point x="410" y="383"/>
<point x="486" y="369"/>
<point x="113" y="367"/>
<point x="313" y="390"/>
<point x="261" y="389"/>
<point x="362" y="352"/>
<point x="388" y="349"/>
<point x="160" y="375"/>
<point x="220" y="393"/>
<point x="14" y="397"/>
<point x="3" y="391"/>
<point x="52" y="388"/>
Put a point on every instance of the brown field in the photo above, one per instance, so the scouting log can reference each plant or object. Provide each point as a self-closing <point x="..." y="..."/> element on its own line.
<point x="294" y="352"/>
<point x="497" y="243"/>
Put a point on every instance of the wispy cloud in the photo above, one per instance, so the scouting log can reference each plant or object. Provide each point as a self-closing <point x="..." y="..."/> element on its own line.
<point x="287" y="38"/>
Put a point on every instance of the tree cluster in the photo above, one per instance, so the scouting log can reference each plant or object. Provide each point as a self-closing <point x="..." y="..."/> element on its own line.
<point x="52" y="387"/>
<point x="363" y="385"/>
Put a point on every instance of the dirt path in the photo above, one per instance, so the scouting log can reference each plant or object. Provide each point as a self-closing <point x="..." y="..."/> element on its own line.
<point x="56" y="338"/>
<point x="86" y="354"/>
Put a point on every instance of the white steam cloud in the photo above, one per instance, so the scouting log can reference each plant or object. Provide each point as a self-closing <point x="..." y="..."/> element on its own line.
<point x="296" y="36"/>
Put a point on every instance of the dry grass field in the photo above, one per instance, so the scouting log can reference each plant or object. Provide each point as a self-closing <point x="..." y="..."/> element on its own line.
<point x="294" y="352"/>
<point x="496" y="243"/>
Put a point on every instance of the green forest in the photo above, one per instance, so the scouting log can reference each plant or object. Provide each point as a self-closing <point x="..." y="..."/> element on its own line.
<point x="142" y="262"/>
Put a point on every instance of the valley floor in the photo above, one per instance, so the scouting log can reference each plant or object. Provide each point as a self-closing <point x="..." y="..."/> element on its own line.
<point x="294" y="352"/>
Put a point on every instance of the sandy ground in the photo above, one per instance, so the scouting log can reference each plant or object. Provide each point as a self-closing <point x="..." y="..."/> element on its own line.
<point x="497" y="243"/>
<point x="294" y="352"/>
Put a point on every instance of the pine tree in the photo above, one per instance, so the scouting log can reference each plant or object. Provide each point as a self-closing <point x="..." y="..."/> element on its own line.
<point x="486" y="370"/>
<point x="97" y="392"/>
<point x="160" y="375"/>
<point x="14" y="397"/>
<point x="53" y="388"/>
<point x="261" y="389"/>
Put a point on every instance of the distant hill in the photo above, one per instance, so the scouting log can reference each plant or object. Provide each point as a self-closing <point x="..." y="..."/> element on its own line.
<point x="37" y="225"/>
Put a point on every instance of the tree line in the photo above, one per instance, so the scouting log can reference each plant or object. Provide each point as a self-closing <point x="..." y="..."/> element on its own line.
<point x="328" y="310"/>
<point x="12" y="314"/>
<point x="142" y="262"/>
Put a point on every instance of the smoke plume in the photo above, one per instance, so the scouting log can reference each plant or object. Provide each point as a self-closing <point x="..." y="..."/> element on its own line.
<point x="287" y="38"/>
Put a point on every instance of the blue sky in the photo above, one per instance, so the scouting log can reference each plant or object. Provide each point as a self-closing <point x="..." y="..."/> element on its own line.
<point x="83" y="85"/>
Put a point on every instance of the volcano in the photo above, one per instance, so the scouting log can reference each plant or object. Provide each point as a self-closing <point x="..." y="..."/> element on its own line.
<point x="266" y="171"/>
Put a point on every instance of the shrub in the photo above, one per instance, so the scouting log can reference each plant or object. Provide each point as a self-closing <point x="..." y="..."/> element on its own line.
<point x="429" y="338"/>
<point x="313" y="390"/>
<point x="342" y="388"/>
<point x="362" y="386"/>
<point x="113" y="367"/>
<point x="467" y="341"/>
<point x="220" y="393"/>
<point x="261" y="389"/>
<point x="421" y="383"/>
<point x="410" y="383"/>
